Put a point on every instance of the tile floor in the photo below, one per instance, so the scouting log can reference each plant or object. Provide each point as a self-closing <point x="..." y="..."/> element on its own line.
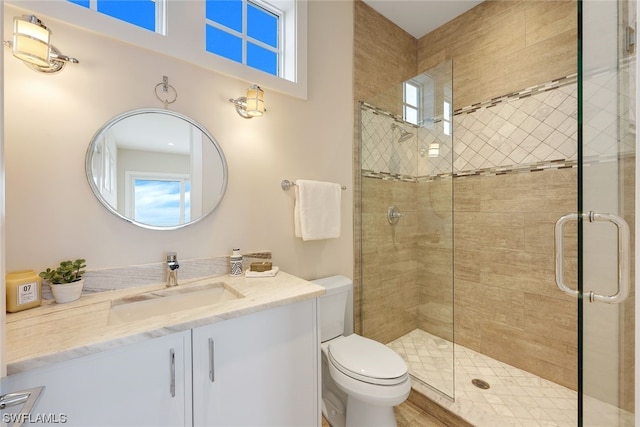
<point x="515" y="397"/>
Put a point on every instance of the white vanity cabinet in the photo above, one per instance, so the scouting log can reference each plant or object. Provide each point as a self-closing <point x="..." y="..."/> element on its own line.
<point x="141" y="384"/>
<point x="258" y="370"/>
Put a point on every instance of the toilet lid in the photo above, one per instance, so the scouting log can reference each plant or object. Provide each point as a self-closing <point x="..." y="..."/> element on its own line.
<point x="367" y="360"/>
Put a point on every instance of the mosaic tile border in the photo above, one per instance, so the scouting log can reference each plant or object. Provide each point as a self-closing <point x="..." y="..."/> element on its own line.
<point x="533" y="90"/>
<point x="378" y="110"/>
<point x="387" y="176"/>
<point x="535" y="167"/>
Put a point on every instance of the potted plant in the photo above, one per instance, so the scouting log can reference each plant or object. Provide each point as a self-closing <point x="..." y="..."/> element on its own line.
<point x="66" y="281"/>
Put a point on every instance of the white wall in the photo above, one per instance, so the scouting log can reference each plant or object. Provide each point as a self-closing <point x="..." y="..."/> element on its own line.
<point x="51" y="213"/>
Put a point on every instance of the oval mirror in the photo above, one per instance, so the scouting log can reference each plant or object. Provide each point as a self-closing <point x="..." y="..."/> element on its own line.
<point x="156" y="168"/>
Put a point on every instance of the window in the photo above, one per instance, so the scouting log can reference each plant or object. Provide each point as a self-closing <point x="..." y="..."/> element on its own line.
<point x="158" y="200"/>
<point x="148" y="14"/>
<point x="410" y="102"/>
<point x="273" y="35"/>
<point x="246" y="32"/>
<point x="446" y="118"/>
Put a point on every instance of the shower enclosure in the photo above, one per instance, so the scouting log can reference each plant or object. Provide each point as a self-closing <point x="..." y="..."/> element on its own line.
<point x="496" y="240"/>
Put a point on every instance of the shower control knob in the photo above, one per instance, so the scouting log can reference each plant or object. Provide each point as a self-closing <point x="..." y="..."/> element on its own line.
<point x="393" y="215"/>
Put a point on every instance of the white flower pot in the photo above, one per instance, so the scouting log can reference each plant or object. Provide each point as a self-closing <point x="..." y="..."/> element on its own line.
<point x="67" y="292"/>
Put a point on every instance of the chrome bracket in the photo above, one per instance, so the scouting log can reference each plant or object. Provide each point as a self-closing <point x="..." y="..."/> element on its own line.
<point x="630" y="38"/>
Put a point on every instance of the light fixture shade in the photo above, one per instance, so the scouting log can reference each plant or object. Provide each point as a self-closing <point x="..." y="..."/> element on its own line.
<point x="434" y="150"/>
<point x="255" y="101"/>
<point x="31" y="39"/>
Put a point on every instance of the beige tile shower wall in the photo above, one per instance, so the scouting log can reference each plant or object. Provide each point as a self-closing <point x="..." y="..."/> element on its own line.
<point x="435" y="257"/>
<point x="502" y="46"/>
<point x="507" y="305"/>
<point x="389" y="265"/>
<point x="384" y="56"/>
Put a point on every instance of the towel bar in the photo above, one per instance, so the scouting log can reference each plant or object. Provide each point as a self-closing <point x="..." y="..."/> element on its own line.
<point x="286" y="184"/>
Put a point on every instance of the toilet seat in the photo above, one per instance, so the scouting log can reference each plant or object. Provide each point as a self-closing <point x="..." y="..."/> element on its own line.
<point x="367" y="360"/>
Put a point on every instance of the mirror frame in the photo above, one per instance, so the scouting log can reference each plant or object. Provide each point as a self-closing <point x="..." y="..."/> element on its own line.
<point x="131" y="113"/>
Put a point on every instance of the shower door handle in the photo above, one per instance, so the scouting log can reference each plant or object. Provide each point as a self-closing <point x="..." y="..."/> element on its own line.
<point x="624" y="250"/>
<point x="559" y="253"/>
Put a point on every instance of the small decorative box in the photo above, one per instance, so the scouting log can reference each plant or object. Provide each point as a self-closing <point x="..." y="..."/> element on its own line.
<point x="260" y="266"/>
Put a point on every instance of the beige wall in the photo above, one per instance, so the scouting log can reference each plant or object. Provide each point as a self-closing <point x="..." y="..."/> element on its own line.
<point x="51" y="213"/>
<point x="390" y="296"/>
<point x="384" y="54"/>
<point x="502" y="46"/>
<point x="507" y="305"/>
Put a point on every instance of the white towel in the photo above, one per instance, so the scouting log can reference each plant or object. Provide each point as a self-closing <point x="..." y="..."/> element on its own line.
<point x="317" y="210"/>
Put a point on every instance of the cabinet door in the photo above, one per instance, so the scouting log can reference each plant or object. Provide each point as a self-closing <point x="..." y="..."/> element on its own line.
<point x="258" y="370"/>
<point x="141" y="384"/>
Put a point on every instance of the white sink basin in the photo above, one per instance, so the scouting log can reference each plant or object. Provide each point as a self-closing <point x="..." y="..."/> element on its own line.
<point x="170" y="300"/>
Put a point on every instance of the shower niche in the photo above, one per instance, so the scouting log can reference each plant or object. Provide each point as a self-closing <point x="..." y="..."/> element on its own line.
<point x="406" y="154"/>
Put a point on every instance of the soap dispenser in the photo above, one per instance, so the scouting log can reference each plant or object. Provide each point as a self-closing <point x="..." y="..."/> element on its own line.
<point x="236" y="263"/>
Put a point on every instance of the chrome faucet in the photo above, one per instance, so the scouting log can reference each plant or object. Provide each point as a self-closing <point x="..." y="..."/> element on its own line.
<point x="172" y="272"/>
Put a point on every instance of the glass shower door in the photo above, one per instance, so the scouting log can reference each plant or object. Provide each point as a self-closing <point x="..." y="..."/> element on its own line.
<point x="406" y="144"/>
<point x="606" y="212"/>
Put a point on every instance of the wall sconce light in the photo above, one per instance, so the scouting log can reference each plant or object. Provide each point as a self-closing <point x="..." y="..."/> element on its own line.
<point x="252" y="105"/>
<point x="32" y="45"/>
<point x="434" y="150"/>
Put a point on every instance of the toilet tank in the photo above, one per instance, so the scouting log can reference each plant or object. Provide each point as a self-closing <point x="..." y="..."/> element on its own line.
<point x="335" y="307"/>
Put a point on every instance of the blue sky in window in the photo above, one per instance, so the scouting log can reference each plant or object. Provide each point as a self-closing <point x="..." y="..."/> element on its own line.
<point x="262" y="59"/>
<point x="137" y="12"/>
<point x="261" y="25"/>
<point x="224" y="44"/>
<point x="225" y="12"/>
<point x="84" y="3"/>
<point x="157" y="202"/>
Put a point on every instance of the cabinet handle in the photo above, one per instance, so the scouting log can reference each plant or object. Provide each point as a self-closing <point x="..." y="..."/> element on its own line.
<point x="172" y="384"/>
<point x="212" y="375"/>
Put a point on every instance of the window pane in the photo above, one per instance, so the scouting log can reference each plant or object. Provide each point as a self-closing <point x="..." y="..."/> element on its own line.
<point x="225" y="12"/>
<point x="84" y="3"/>
<point x="411" y="95"/>
<point x="446" y="127"/>
<point x="157" y="202"/>
<point x="411" y="115"/>
<point x="262" y="59"/>
<point x="262" y="25"/>
<point x="138" y="12"/>
<point x="224" y="44"/>
<point x="447" y="111"/>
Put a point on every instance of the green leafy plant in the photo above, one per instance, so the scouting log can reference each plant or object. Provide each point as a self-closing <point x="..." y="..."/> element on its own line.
<point x="67" y="272"/>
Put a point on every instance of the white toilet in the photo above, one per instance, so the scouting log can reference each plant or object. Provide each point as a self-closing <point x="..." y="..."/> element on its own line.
<point x="362" y="379"/>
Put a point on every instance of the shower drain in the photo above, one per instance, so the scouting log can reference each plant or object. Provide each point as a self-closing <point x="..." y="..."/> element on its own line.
<point x="480" y="384"/>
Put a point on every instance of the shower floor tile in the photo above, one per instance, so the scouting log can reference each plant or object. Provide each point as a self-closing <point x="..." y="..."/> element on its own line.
<point x="515" y="397"/>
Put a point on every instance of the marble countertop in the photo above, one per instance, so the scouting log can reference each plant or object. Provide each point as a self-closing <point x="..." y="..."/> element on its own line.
<point x="54" y="332"/>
